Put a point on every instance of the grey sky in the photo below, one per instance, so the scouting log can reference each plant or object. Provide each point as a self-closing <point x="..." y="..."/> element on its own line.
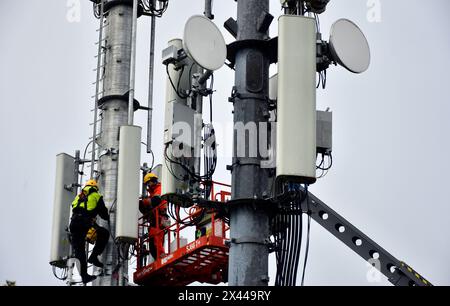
<point x="390" y="175"/>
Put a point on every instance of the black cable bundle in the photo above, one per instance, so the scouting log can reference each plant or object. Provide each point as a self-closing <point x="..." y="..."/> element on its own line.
<point x="174" y="212"/>
<point x="287" y="230"/>
<point x="325" y="167"/>
<point x="307" y="237"/>
<point x="181" y="93"/>
<point x="97" y="9"/>
<point x="210" y="158"/>
<point x="317" y="6"/>
<point x="189" y="172"/>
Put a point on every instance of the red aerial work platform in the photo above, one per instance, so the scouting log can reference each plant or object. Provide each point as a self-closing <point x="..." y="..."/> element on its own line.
<point x="203" y="260"/>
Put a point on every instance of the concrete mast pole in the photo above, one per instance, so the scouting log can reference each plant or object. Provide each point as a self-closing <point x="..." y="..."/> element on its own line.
<point x="114" y="115"/>
<point x="133" y="64"/>
<point x="249" y="222"/>
<point x="150" y="84"/>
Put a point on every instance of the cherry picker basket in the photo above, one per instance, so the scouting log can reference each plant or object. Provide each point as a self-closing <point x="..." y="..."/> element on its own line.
<point x="180" y="262"/>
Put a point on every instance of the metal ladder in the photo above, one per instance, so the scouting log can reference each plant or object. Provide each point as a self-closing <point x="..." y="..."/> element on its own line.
<point x="97" y="114"/>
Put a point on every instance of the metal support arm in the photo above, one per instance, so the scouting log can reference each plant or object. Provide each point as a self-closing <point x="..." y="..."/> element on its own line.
<point x="397" y="272"/>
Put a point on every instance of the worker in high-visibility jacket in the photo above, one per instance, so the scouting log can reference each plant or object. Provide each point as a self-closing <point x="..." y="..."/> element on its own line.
<point x="85" y="208"/>
<point x="150" y="207"/>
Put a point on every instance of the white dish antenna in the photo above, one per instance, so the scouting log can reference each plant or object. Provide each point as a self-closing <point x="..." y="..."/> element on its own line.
<point x="349" y="46"/>
<point x="204" y="43"/>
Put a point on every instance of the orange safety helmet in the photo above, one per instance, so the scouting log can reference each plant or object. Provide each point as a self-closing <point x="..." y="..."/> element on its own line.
<point x="149" y="176"/>
<point x="92" y="183"/>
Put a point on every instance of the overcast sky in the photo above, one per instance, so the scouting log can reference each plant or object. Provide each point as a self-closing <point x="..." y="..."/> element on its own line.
<point x="390" y="173"/>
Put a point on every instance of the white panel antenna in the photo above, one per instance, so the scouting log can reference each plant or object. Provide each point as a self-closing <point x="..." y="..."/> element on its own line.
<point x="60" y="244"/>
<point x="128" y="183"/>
<point x="296" y="107"/>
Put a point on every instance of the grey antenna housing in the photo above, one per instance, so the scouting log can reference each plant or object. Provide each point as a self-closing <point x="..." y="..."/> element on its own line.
<point x="349" y="46"/>
<point x="204" y="43"/>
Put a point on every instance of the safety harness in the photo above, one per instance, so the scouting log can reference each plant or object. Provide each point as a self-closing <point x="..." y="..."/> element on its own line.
<point x="91" y="235"/>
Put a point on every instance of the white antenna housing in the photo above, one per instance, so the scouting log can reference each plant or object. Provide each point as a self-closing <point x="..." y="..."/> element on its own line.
<point x="296" y="106"/>
<point x="65" y="176"/>
<point x="128" y="183"/>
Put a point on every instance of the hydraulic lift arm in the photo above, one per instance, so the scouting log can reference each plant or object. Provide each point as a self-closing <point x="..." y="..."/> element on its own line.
<point x="397" y="272"/>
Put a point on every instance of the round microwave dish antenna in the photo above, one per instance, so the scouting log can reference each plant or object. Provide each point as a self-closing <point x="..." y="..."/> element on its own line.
<point x="204" y="43"/>
<point x="349" y="46"/>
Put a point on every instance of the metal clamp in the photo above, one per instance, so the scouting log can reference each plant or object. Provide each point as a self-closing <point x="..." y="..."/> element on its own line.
<point x="70" y="187"/>
<point x="112" y="3"/>
<point x="237" y="95"/>
<point x="268" y="46"/>
<point x="250" y="239"/>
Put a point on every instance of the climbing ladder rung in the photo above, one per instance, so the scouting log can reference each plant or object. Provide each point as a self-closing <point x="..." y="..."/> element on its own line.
<point x="96" y="95"/>
<point x="91" y="124"/>
<point x="104" y="26"/>
<point x="95" y="83"/>
<point x="103" y="51"/>
<point x="101" y="66"/>
<point x="104" y="39"/>
<point x="96" y="137"/>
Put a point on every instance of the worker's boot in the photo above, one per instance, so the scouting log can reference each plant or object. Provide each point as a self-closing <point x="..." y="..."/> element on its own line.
<point x="94" y="260"/>
<point x="88" y="278"/>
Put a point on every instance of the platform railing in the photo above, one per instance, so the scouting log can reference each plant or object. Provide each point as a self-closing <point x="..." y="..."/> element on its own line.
<point x="176" y="229"/>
